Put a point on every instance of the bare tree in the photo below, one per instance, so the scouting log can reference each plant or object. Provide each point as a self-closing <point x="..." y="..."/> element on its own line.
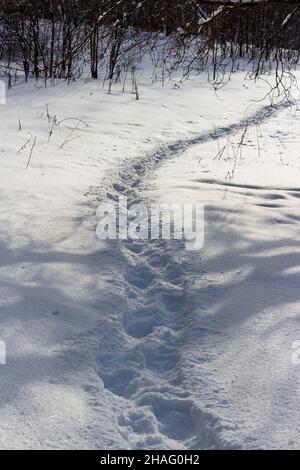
<point x="52" y="39"/>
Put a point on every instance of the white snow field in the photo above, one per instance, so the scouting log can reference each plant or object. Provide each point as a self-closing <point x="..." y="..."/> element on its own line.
<point x="142" y="344"/>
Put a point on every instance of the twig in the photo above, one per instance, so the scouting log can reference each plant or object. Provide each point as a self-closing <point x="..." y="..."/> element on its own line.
<point x="67" y="141"/>
<point x="31" y="152"/>
<point x="23" y="146"/>
<point x="220" y="153"/>
<point x="51" y="131"/>
<point x="48" y="115"/>
<point x="281" y="142"/>
<point x="73" y="119"/>
<point x="241" y="143"/>
<point x="258" y="144"/>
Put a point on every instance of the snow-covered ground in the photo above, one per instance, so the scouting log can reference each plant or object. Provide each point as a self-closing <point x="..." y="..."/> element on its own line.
<point x="144" y="344"/>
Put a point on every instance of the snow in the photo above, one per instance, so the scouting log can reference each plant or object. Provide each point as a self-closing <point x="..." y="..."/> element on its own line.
<point x="142" y="344"/>
<point x="244" y="285"/>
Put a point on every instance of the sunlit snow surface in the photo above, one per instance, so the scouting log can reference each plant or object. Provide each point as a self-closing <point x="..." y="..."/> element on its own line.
<point x="143" y="344"/>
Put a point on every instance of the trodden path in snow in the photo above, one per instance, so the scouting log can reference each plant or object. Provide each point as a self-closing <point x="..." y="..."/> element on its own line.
<point x="142" y="362"/>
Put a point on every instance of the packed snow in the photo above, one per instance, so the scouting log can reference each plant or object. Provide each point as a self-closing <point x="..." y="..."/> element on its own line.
<point x="143" y="344"/>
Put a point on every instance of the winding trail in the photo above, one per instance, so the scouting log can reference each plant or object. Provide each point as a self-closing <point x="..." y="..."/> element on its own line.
<point x="142" y="362"/>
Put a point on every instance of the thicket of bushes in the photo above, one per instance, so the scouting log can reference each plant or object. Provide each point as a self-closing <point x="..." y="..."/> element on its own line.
<point x="63" y="38"/>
